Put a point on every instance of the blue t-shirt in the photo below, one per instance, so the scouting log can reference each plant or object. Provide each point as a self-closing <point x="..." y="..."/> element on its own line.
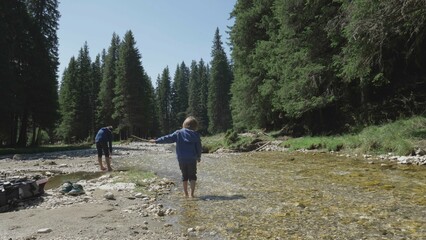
<point x="104" y="135"/>
<point x="188" y="144"/>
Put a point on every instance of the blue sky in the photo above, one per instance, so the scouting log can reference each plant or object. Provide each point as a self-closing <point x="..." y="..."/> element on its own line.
<point x="167" y="32"/>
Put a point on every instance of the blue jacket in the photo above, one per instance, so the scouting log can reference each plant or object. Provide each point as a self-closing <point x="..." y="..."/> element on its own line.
<point x="104" y="135"/>
<point x="188" y="144"/>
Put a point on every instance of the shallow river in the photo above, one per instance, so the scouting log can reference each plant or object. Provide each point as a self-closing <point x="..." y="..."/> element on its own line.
<point x="279" y="195"/>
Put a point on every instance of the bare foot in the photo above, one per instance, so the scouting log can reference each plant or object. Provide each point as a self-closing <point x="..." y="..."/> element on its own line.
<point x="103" y="169"/>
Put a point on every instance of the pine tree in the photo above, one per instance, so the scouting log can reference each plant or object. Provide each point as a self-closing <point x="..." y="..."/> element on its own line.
<point x="105" y="109"/>
<point x="164" y="101"/>
<point x="219" y="88"/>
<point x="203" y="119"/>
<point x="133" y="92"/>
<point x="179" y="100"/>
<point x="10" y="17"/>
<point x="194" y="100"/>
<point x="250" y="109"/>
<point x="84" y="85"/>
<point x="96" y="76"/>
<point x="68" y="102"/>
<point x="44" y="105"/>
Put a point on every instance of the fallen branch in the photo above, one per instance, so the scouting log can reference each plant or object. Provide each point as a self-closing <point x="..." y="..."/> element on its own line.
<point x="140" y="139"/>
<point x="261" y="147"/>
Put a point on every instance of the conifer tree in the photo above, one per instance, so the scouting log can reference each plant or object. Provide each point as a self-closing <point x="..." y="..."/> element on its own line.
<point x="249" y="108"/>
<point x="179" y="99"/>
<point x="219" y="88"/>
<point x="203" y="119"/>
<point x="44" y="106"/>
<point x="164" y="101"/>
<point x="96" y="76"/>
<point x="105" y="109"/>
<point x="84" y="85"/>
<point x="133" y="92"/>
<point x="194" y="100"/>
<point x="68" y="102"/>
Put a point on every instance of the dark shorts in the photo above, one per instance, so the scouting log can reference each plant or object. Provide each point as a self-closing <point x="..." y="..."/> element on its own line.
<point x="102" y="147"/>
<point x="189" y="171"/>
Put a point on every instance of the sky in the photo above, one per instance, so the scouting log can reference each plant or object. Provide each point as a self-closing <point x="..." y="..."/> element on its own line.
<point x="167" y="32"/>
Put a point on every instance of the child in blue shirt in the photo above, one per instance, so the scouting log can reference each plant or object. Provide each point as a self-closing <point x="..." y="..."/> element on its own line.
<point x="103" y="141"/>
<point x="188" y="151"/>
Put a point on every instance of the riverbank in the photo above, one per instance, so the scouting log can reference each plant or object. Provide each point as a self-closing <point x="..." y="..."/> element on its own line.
<point x="114" y="205"/>
<point x="262" y="194"/>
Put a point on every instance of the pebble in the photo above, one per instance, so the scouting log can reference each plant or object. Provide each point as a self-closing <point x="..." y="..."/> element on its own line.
<point x="44" y="230"/>
<point x="109" y="196"/>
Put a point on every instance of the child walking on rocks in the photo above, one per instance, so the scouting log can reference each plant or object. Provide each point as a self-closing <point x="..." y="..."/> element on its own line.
<point x="188" y="151"/>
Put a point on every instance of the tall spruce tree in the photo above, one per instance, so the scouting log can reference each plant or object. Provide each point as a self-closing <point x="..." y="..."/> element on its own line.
<point x="132" y="101"/>
<point x="250" y="109"/>
<point x="84" y="85"/>
<point x="194" y="100"/>
<point x="68" y="102"/>
<point x="12" y="26"/>
<point x="105" y="109"/>
<point x="203" y="119"/>
<point x="44" y="107"/>
<point x="164" y="101"/>
<point x="179" y="99"/>
<point x="219" y="88"/>
<point x="29" y="32"/>
<point x="96" y="76"/>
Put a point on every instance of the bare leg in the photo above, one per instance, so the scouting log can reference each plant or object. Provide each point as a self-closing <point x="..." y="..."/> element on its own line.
<point x="185" y="188"/>
<point x="108" y="162"/>
<point x="100" y="164"/>
<point x="192" y="185"/>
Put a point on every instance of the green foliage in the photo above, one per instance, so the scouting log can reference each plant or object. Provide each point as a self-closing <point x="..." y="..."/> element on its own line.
<point x="219" y="88"/>
<point x="401" y="137"/>
<point x="250" y="109"/>
<point x="179" y="99"/>
<point x="29" y="62"/>
<point x="133" y="92"/>
<point x="105" y="108"/>
<point x="231" y="137"/>
<point x="314" y="67"/>
<point x="163" y="94"/>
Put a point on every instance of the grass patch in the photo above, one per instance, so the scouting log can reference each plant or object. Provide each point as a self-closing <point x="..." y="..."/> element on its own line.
<point x="400" y="137"/>
<point x="42" y="149"/>
<point x="137" y="176"/>
<point x="235" y="141"/>
<point x="310" y="143"/>
<point x="213" y="143"/>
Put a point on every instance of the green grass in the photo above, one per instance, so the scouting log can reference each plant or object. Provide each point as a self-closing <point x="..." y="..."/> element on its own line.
<point x="136" y="176"/>
<point x="46" y="148"/>
<point x="233" y="141"/>
<point x="400" y="137"/>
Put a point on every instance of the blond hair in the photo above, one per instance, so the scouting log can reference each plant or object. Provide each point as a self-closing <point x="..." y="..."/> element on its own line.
<point x="190" y="123"/>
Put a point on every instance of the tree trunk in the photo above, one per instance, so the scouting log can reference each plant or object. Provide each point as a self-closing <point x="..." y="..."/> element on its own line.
<point x="22" y="140"/>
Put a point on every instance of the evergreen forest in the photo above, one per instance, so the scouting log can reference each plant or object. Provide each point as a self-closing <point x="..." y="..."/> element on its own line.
<point x="300" y="67"/>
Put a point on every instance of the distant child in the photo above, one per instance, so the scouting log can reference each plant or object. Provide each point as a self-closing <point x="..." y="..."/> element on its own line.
<point x="188" y="151"/>
<point x="103" y="141"/>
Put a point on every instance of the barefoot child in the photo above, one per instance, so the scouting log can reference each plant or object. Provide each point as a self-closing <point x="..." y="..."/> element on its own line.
<point x="103" y="141"/>
<point x="188" y="151"/>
